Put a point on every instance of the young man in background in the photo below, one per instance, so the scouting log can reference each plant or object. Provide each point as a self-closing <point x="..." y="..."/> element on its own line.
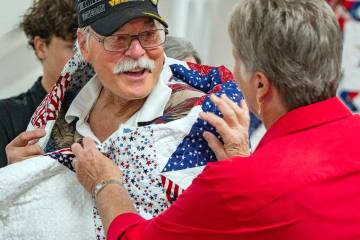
<point x="50" y="26"/>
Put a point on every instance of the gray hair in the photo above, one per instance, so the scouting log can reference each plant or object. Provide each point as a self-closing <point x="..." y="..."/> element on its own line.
<point x="297" y="44"/>
<point x="180" y="49"/>
<point x="86" y="32"/>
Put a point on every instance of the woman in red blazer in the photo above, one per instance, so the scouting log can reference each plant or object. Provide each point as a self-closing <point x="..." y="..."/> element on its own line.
<point x="301" y="182"/>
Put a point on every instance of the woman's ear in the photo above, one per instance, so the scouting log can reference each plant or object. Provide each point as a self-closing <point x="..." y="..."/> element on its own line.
<point x="83" y="45"/>
<point x="40" y="47"/>
<point x="263" y="86"/>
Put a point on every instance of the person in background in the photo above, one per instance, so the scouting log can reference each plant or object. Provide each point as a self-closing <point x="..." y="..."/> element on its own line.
<point x="181" y="49"/>
<point x="50" y="26"/>
<point x="301" y="182"/>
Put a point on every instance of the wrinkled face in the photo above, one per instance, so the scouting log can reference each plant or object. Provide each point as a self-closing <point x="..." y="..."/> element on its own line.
<point x="244" y="80"/>
<point x="135" y="83"/>
<point x="56" y="54"/>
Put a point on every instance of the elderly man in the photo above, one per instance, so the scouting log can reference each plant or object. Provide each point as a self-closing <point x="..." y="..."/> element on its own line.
<point x="302" y="182"/>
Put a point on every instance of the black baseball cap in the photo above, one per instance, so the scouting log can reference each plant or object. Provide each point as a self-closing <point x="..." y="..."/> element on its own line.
<point x="106" y="16"/>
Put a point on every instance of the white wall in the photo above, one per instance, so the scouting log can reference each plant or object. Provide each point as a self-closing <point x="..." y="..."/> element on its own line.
<point x="204" y="23"/>
<point x="19" y="67"/>
<point x="10" y="14"/>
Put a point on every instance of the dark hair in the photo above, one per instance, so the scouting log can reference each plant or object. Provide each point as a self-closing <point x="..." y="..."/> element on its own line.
<point x="48" y="18"/>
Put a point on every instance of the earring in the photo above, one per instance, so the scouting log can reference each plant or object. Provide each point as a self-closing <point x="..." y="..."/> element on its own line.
<point x="259" y="107"/>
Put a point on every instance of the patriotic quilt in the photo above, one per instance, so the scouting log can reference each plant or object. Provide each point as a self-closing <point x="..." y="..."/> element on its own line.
<point x="40" y="198"/>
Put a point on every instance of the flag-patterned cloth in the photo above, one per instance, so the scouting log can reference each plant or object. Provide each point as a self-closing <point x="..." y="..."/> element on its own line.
<point x="351" y="99"/>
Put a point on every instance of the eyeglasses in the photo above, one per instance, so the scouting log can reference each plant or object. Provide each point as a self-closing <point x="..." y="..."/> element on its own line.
<point x="121" y="42"/>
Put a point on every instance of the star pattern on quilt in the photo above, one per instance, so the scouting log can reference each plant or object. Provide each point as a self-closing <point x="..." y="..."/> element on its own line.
<point x="99" y="228"/>
<point x="63" y="156"/>
<point x="194" y="151"/>
<point x="135" y="155"/>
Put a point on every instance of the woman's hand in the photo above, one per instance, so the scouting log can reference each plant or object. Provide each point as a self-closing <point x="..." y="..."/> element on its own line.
<point x="233" y="128"/>
<point x="92" y="166"/>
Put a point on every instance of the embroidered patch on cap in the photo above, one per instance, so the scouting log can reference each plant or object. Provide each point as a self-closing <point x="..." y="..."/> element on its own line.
<point x="117" y="2"/>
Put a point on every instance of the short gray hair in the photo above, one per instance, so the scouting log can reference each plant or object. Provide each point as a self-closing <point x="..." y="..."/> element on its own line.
<point x="297" y="44"/>
<point x="86" y="32"/>
<point x="180" y="49"/>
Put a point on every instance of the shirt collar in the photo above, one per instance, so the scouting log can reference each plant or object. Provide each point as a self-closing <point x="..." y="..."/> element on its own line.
<point x="307" y="117"/>
<point x="153" y="107"/>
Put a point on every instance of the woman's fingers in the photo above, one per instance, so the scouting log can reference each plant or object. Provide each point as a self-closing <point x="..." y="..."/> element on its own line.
<point x="233" y="128"/>
<point x="218" y="123"/>
<point x="226" y="109"/>
<point x="234" y="115"/>
<point x="215" y="145"/>
<point x="241" y="112"/>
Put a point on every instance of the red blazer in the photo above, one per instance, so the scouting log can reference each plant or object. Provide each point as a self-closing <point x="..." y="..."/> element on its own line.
<point x="302" y="182"/>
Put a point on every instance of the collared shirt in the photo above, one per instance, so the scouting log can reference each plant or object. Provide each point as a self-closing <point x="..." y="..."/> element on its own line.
<point x="302" y="182"/>
<point x="153" y="107"/>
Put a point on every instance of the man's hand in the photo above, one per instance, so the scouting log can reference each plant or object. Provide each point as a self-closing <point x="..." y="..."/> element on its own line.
<point x="92" y="166"/>
<point x="233" y="128"/>
<point x="25" y="146"/>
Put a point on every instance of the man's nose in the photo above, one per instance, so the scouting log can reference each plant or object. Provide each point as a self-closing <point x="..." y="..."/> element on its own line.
<point x="135" y="49"/>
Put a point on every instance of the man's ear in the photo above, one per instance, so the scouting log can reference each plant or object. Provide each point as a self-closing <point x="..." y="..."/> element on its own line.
<point x="81" y="38"/>
<point x="40" y="48"/>
<point x="262" y="86"/>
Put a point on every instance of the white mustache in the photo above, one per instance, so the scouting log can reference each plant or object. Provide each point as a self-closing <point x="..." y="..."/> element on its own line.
<point x="129" y="64"/>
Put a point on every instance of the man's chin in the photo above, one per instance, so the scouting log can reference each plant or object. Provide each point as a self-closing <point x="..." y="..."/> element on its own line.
<point x="138" y="96"/>
<point x="137" y="91"/>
